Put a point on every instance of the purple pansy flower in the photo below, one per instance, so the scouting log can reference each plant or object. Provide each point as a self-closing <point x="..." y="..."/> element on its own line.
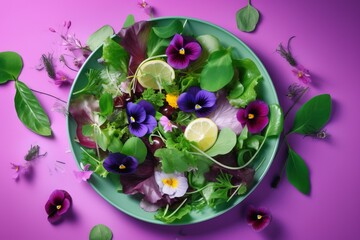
<point x="197" y="100"/>
<point x="259" y="218"/>
<point x="62" y="78"/>
<point x="302" y="74"/>
<point x="120" y="163"/>
<point x="254" y="116"/>
<point x="146" y="6"/>
<point x="181" y="51"/>
<point x="20" y="169"/>
<point x="58" y="204"/>
<point x="141" y="117"/>
<point x="166" y="123"/>
<point x="83" y="175"/>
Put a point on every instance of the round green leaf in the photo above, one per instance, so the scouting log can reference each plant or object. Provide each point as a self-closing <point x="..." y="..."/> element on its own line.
<point x="100" y="232"/>
<point x="135" y="147"/>
<point x="247" y="18"/>
<point x="10" y="66"/>
<point x="225" y="142"/>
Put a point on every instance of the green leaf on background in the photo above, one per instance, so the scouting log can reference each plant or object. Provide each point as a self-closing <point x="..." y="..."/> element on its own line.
<point x="169" y="30"/>
<point x="10" y="66"/>
<point x="135" y="147"/>
<point x="242" y="137"/>
<point x="254" y="142"/>
<point x="217" y="72"/>
<point x="98" y="37"/>
<point x="129" y="21"/>
<point x="100" y="232"/>
<point x="236" y="90"/>
<point x="115" y="55"/>
<point x="173" y="160"/>
<point x="248" y="71"/>
<point x="171" y="216"/>
<point x="102" y="139"/>
<point x="247" y="18"/>
<point x="115" y="145"/>
<point x="297" y="172"/>
<point x="94" y="83"/>
<point x="313" y="115"/>
<point x="225" y="142"/>
<point x="156" y="45"/>
<point x="248" y="95"/>
<point x="30" y="111"/>
<point x="276" y="121"/>
<point x="106" y="104"/>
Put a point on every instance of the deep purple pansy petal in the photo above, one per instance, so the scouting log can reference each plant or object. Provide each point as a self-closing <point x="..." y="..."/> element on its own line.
<point x="205" y="111"/>
<point x="54" y="218"/>
<point x="149" y="108"/>
<point x="151" y="123"/>
<point x="136" y="113"/>
<point x="57" y="197"/>
<point x="258" y="219"/>
<point x="138" y="129"/>
<point x="257" y="125"/>
<point x="186" y="102"/>
<point x="193" y="91"/>
<point x="177" y="41"/>
<point x="50" y="208"/>
<point x="64" y="206"/>
<point x="241" y="116"/>
<point x="205" y="98"/>
<point x="120" y="163"/>
<point x="178" y="61"/>
<point x="259" y="107"/>
<point x="192" y="50"/>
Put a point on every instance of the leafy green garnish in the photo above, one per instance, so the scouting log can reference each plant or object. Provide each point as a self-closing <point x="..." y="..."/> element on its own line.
<point x="169" y="216"/>
<point x="156" y="45"/>
<point x="115" y="56"/>
<point x="106" y="104"/>
<point x="155" y="98"/>
<point x="249" y="94"/>
<point x="129" y="21"/>
<point x="100" y="232"/>
<point x="297" y="172"/>
<point x="135" y="147"/>
<point x="225" y="142"/>
<point x="94" y="83"/>
<point x="173" y="160"/>
<point x="276" y="121"/>
<point x="98" y="37"/>
<point x="10" y="66"/>
<point x="247" y="18"/>
<point x="169" y="30"/>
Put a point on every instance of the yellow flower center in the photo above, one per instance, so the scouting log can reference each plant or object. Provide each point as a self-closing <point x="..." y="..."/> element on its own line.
<point x="197" y="107"/>
<point x="251" y="116"/>
<point x="300" y="74"/>
<point x="172" y="100"/>
<point x="132" y="119"/>
<point x="171" y="182"/>
<point x="122" y="166"/>
<point x="182" y="51"/>
<point x="17" y="168"/>
<point x="58" y="207"/>
<point x="259" y="217"/>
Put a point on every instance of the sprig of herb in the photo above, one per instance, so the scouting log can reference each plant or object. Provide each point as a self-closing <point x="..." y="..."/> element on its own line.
<point x="156" y="99"/>
<point x="285" y="52"/>
<point x="33" y="153"/>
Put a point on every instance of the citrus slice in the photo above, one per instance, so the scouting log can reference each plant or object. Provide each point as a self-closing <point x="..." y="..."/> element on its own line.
<point x="203" y="132"/>
<point x="154" y="73"/>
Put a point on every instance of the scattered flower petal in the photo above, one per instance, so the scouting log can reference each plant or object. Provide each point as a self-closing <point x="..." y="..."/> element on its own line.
<point x="255" y="116"/>
<point x="120" y="163"/>
<point x="181" y="51"/>
<point x="61" y="78"/>
<point x="197" y="100"/>
<point x="58" y="204"/>
<point x="20" y="170"/>
<point x="259" y="218"/>
<point x="166" y="123"/>
<point x="174" y="184"/>
<point x="302" y="74"/>
<point x="83" y="175"/>
<point x="60" y="108"/>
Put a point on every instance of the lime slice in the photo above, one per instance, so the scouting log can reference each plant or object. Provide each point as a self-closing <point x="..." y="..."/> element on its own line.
<point x="203" y="132"/>
<point x="154" y="73"/>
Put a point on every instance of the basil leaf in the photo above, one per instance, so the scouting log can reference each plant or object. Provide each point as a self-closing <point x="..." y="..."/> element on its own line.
<point x="98" y="37"/>
<point x="115" y="55"/>
<point x="129" y="21"/>
<point x="10" y="66"/>
<point x="135" y="147"/>
<point x="297" y="172"/>
<point x="276" y="122"/>
<point x="217" y="72"/>
<point x="225" y="142"/>
<point x="247" y="18"/>
<point x="313" y="115"/>
<point x="30" y="111"/>
<point x="100" y="232"/>
<point x="106" y="104"/>
<point x="169" y="30"/>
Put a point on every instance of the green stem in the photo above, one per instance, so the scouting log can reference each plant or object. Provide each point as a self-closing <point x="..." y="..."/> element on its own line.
<point x="232" y="195"/>
<point x="177" y="209"/>
<point x="97" y="161"/>
<point x="48" y="95"/>
<point x="296" y="101"/>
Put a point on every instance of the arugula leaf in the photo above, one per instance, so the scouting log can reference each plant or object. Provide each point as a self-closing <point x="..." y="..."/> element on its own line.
<point x="98" y="37"/>
<point x="100" y="232"/>
<point x="169" y="30"/>
<point x="10" y="66"/>
<point x="167" y="216"/>
<point x="297" y="172"/>
<point x="94" y="83"/>
<point x="217" y="72"/>
<point x="313" y="115"/>
<point x="225" y="142"/>
<point x="115" y="55"/>
<point x="247" y="18"/>
<point x="173" y="160"/>
<point x="156" y="99"/>
<point x="135" y="147"/>
<point x="30" y="111"/>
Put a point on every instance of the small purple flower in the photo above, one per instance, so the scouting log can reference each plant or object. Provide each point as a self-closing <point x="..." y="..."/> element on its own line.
<point x="259" y="218"/>
<point x="120" y="163"/>
<point x="141" y="117"/>
<point x="181" y="51"/>
<point x="58" y="204"/>
<point x="197" y="100"/>
<point x="166" y="123"/>
<point x="20" y="170"/>
<point x="255" y="116"/>
<point x="62" y="78"/>
<point x="83" y="175"/>
<point x="149" y="10"/>
<point x="302" y="74"/>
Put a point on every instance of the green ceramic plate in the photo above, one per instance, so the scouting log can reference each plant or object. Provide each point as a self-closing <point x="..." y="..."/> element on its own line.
<point x="130" y="204"/>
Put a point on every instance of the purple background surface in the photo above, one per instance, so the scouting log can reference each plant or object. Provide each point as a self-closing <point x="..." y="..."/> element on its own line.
<point x="327" y="43"/>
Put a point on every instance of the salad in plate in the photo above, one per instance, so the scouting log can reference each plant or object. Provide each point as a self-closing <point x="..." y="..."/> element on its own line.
<point x="174" y="117"/>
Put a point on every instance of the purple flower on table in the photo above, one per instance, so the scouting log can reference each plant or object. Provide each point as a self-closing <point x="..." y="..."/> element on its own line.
<point x="148" y="9"/>
<point x="20" y="170"/>
<point x="84" y="174"/>
<point x="181" y="51"/>
<point x="141" y="117"/>
<point x="259" y="218"/>
<point x="254" y="116"/>
<point x="58" y="204"/>
<point x="302" y="74"/>
<point x="295" y="90"/>
<point x="173" y="184"/>
<point x="62" y="78"/>
<point x="166" y="123"/>
<point x="197" y="100"/>
<point x="120" y="163"/>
